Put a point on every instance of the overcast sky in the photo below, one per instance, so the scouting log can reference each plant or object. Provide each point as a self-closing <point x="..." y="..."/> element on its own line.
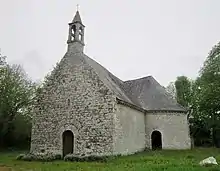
<point x="131" y="38"/>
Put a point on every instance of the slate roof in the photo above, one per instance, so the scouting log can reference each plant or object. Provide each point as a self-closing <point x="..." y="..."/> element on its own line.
<point x="77" y="18"/>
<point x="145" y="93"/>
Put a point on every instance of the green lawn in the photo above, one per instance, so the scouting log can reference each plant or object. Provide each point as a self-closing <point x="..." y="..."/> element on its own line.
<point x="186" y="160"/>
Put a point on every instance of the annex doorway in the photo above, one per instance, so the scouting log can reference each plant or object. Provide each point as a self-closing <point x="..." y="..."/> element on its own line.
<point x="68" y="139"/>
<point x="156" y="140"/>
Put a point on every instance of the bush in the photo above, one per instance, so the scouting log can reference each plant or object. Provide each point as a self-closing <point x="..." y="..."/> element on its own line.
<point x="70" y="157"/>
<point x="92" y="158"/>
<point x="39" y="157"/>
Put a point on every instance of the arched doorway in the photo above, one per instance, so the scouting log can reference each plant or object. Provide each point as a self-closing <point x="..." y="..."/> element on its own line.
<point x="67" y="142"/>
<point x="156" y="140"/>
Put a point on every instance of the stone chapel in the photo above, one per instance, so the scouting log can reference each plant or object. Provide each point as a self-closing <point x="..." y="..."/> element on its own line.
<point x="84" y="109"/>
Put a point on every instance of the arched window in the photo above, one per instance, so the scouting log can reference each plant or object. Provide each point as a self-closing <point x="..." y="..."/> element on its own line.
<point x="73" y="32"/>
<point x="73" y="29"/>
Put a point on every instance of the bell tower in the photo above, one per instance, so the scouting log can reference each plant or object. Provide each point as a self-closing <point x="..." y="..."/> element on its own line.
<point x="76" y="34"/>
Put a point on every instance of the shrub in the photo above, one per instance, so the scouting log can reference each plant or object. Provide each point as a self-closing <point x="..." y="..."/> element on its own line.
<point x="71" y="157"/>
<point x="83" y="158"/>
<point x="39" y="157"/>
<point x="99" y="158"/>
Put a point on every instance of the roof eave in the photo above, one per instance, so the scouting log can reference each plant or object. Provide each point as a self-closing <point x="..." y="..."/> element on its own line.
<point x="120" y="101"/>
<point x="130" y="105"/>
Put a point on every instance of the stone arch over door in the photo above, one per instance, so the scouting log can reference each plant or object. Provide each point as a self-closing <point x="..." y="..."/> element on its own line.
<point x="156" y="140"/>
<point x="68" y="142"/>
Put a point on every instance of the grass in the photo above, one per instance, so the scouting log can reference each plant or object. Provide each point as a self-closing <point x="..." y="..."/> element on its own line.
<point x="167" y="160"/>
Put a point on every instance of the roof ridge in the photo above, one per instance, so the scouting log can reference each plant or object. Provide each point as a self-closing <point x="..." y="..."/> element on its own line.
<point x="141" y="78"/>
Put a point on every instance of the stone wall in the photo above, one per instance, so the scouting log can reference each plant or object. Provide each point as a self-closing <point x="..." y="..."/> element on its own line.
<point x="173" y="127"/>
<point x="74" y="99"/>
<point x="129" y="136"/>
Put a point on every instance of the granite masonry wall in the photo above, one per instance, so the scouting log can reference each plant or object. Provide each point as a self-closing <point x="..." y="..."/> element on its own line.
<point x="129" y="135"/>
<point x="173" y="127"/>
<point x="74" y="99"/>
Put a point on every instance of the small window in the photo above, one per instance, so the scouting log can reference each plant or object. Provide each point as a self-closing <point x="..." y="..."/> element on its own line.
<point x="68" y="102"/>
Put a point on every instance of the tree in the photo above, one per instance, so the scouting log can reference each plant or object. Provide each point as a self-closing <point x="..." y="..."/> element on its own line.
<point x="202" y="98"/>
<point x="2" y="60"/>
<point x="187" y="95"/>
<point x="183" y="91"/>
<point x="17" y="93"/>
<point x="198" y="126"/>
<point x="209" y="82"/>
<point x="171" y="89"/>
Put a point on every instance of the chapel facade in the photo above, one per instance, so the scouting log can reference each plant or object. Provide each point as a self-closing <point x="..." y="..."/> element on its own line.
<point x="84" y="109"/>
